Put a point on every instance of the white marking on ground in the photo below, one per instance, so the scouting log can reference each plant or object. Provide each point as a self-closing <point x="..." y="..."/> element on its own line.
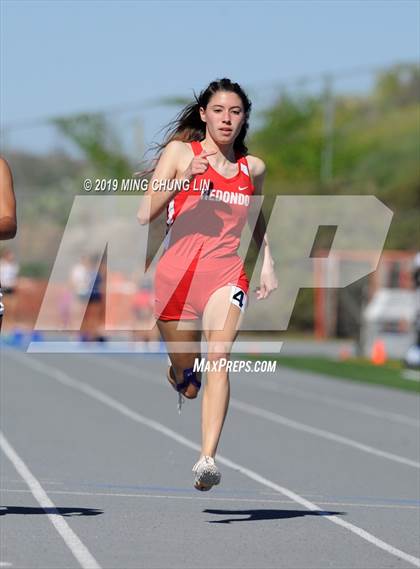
<point x="268" y="386"/>
<point x="98" y="395"/>
<point x="276" y="418"/>
<point x="78" y="549"/>
<point x="211" y="498"/>
<point x="118" y="366"/>
<point x="20" y="481"/>
<point x="334" y="401"/>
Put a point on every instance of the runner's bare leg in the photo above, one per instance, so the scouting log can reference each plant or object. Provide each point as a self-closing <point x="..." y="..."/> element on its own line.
<point x="175" y="338"/>
<point x="216" y="391"/>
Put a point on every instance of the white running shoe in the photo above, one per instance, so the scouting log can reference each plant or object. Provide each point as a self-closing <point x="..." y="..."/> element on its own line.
<point x="206" y="473"/>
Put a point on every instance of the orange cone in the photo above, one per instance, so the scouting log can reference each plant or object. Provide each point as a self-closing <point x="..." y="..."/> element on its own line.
<point x="378" y="355"/>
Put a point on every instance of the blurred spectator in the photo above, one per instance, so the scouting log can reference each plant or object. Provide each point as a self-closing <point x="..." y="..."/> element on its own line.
<point x="142" y="307"/>
<point x="7" y="226"/>
<point x="416" y="279"/>
<point x="94" y="320"/>
<point x="64" y="308"/>
<point x="80" y="278"/>
<point x="412" y="357"/>
<point x="9" y="270"/>
<point x="80" y="286"/>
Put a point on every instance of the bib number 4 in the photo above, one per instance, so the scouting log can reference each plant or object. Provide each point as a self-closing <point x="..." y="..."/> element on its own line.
<point x="238" y="297"/>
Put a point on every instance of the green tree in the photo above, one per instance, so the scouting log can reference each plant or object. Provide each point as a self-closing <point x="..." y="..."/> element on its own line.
<point x="95" y="138"/>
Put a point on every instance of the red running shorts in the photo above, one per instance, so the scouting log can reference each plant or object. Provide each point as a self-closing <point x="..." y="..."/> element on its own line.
<point x="182" y="294"/>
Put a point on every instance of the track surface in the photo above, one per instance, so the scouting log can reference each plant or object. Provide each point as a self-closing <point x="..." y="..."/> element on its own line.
<point x="96" y="470"/>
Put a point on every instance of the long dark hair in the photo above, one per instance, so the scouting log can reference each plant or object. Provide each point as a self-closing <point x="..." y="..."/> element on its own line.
<point x="188" y="126"/>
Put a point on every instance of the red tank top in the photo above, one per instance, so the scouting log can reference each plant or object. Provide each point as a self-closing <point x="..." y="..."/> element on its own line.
<point x="209" y="216"/>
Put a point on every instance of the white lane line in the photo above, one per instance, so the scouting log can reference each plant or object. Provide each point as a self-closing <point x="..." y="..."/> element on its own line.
<point x="78" y="549"/>
<point x="276" y="418"/>
<point x="297" y="425"/>
<point x="41" y="480"/>
<point x="268" y="386"/>
<point x="211" y="498"/>
<point x="335" y="402"/>
<point x="102" y="397"/>
<point x="130" y="370"/>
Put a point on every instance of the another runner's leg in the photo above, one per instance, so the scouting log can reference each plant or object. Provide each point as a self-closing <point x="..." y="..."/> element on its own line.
<point x="183" y="360"/>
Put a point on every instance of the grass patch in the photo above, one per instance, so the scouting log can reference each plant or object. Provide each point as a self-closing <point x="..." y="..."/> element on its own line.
<point x="355" y="369"/>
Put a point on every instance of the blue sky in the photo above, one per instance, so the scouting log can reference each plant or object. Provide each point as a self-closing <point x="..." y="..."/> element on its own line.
<point x="71" y="56"/>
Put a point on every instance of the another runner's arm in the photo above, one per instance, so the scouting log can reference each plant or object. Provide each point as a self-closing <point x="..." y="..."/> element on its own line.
<point x="8" y="224"/>
<point x="257" y="170"/>
<point x="166" y="169"/>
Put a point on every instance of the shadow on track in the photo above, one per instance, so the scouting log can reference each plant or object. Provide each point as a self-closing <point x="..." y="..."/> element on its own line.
<point x="258" y="515"/>
<point x="5" y="510"/>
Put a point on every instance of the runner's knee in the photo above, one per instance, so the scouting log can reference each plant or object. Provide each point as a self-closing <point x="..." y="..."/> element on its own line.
<point x="218" y="349"/>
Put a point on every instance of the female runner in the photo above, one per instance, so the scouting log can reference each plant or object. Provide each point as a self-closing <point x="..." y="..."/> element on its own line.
<point x="7" y="212"/>
<point x="200" y="275"/>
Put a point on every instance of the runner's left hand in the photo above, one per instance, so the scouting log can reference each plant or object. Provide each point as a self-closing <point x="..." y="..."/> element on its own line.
<point x="268" y="283"/>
